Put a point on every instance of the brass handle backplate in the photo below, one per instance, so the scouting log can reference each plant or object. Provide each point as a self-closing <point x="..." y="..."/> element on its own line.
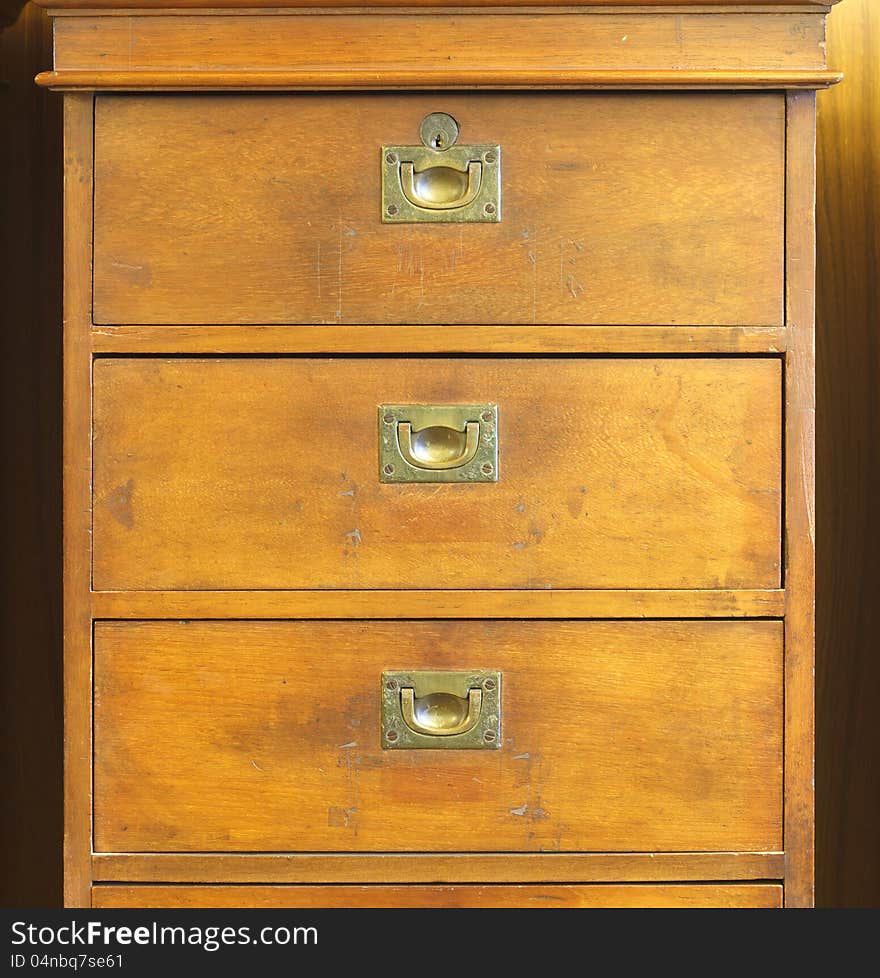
<point x="438" y="443"/>
<point x="440" y="181"/>
<point x="441" y="710"/>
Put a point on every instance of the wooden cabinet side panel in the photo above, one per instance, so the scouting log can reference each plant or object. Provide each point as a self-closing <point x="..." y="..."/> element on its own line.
<point x="77" y="481"/>
<point x="799" y="499"/>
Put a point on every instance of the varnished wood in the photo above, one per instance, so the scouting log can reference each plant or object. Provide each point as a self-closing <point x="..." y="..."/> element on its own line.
<point x="263" y="473"/>
<point x="625" y="736"/>
<point x="228" y="209"/>
<point x="438" y="339"/>
<point x="348" y="42"/>
<point x="30" y="621"/>
<point x="848" y="470"/>
<point x="329" y="79"/>
<point x="222" y="210"/>
<point x="78" y="116"/>
<point x="800" y="532"/>
<point x="111" y="6"/>
<point x="439" y="604"/>
<point x="710" y="895"/>
<point x="482" y="867"/>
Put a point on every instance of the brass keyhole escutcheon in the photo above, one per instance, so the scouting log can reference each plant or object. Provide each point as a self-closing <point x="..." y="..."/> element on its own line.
<point x="438" y="131"/>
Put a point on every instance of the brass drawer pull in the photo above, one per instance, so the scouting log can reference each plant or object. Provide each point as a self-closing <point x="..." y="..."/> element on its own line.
<point x="441" y="710"/>
<point x="438" y="446"/>
<point x="441" y="187"/>
<point x="438" y="443"/>
<point x="440" y="714"/>
<point x="439" y="181"/>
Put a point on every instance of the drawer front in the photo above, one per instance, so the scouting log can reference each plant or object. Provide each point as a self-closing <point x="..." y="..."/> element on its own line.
<point x="265" y="736"/>
<point x="613" y="473"/>
<point x="648" y="208"/>
<point x="715" y="895"/>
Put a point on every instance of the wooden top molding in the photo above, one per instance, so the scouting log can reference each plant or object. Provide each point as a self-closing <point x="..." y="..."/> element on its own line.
<point x="590" y="46"/>
<point x="145" y="5"/>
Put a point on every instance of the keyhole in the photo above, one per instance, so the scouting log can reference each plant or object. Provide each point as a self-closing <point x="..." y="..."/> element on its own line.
<point x="438" y="131"/>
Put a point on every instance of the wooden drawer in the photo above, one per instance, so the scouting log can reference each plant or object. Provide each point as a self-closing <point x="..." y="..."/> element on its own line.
<point x="618" y="208"/>
<point x="263" y="473"/>
<point x="714" y="895"/>
<point x="265" y="737"/>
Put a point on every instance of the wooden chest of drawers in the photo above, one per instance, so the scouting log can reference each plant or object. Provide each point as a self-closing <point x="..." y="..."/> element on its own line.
<point x="439" y="433"/>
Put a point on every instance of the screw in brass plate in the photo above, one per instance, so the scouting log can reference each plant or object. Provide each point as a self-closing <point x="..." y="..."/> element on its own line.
<point x="486" y="468"/>
<point x="391" y="735"/>
<point x="388" y="469"/>
<point x="489" y="157"/>
<point x="391" y="158"/>
<point x="486" y="416"/>
<point x="489" y="736"/>
<point x="489" y="208"/>
<point x="489" y="684"/>
<point x="391" y="209"/>
<point x="388" y="419"/>
<point x="391" y="684"/>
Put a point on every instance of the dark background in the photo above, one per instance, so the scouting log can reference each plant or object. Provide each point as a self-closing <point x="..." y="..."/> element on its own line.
<point x="848" y="466"/>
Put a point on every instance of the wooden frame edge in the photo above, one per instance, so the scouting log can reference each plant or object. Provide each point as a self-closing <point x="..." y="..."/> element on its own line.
<point x="800" y="402"/>
<point x="436" y="868"/>
<point x="424" y="79"/>
<point x="77" y="478"/>
<point x="441" y="604"/>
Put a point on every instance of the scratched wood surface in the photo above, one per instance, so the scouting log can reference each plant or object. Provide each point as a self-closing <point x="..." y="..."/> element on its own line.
<point x="263" y="473"/>
<point x="635" y="895"/>
<point x="265" y="209"/>
<point x="620" y="736"/>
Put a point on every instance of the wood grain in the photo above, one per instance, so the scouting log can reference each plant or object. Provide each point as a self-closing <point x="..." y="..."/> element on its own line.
<point x="262" y="209"/>
<point x="262" y="473"/>
<point x="30" y="310"/>
<point x="111" y="6"/>
<point x="450" y="80"/>
<point x="800" y="530"/>
<point x="78" y="118"/>
<point x="481" y="867"/>
<point x="848" y="469"/>
<point x="621" y="736"/>
<point x="535" y="897"/>
<point x="438" y="339"/>
<point x="484" y="41"/>
<point x="439" y="604"/>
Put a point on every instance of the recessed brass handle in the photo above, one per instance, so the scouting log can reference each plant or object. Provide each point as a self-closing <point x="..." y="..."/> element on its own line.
<point x="441" y="710"/>
<point x="454" y="443"/>
<point x="441" y="714"/>
<point x="441" y="188"/>
<point x="438" y="446"/>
